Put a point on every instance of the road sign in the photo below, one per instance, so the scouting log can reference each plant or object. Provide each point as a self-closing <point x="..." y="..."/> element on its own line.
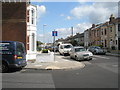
<point x="54" y="33"/>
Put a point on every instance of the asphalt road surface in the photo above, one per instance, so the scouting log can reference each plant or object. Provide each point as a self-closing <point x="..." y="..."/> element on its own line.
<point x="101" y="72"/>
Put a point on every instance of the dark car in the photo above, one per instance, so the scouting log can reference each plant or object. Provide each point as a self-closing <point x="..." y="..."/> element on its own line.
<point x="54" y="49"/>
<point x="96" y="50"/>
<point x="12" y="55"/>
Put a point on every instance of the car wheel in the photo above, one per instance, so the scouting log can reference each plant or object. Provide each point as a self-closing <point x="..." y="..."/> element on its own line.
<point x="4" y="67"/>
<point x="90" y="59"/>
<point x="71" y="57"/>
<point x="94" y="53"/>
<point x="60" y="53"/>
<point x="76" y="58"/>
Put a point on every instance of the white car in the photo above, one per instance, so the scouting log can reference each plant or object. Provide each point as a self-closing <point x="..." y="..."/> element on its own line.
<point x="64" y="49"/>
<point x="80" y="53"/>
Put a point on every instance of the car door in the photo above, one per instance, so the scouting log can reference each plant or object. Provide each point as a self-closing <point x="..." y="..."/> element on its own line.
<point x="73" y="53"/>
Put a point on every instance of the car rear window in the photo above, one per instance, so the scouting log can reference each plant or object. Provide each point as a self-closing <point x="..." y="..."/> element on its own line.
<point x="20" y="49"/>
<point x="5" y="48"/>
<point x="80" y="49"/>
<point x="67" y="46"/>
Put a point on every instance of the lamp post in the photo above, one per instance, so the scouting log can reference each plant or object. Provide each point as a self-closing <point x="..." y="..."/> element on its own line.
<point x="44" y="33"/>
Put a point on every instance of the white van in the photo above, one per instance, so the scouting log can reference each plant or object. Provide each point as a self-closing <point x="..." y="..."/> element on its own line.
<point x="65" y="48"/>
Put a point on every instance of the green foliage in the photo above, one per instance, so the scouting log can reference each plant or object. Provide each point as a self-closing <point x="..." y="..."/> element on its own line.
<point x="99" y="45"/>
<point x="39" y="43"/>
<point x="45" y="51"/>
<point x="82" y="44"/>
<point x="74" y="42"/>
<point x="39" y="48"/>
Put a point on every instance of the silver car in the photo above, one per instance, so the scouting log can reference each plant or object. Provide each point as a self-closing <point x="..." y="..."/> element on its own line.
<point x="80" y="53"/>
<point x="96" y="50"/>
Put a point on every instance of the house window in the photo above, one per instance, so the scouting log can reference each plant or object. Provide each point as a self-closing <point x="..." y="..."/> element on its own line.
<point x="33" y="41"/>
<point x="105" y="43"/>
<point x="33" y="16"/>
<point x="102" y="32"/>
<point x="32" y="20"/>
<point x="33" y="12"/>
<point x="28" y="19"/>
<point x="27" y="42"/>
<point x="118" y="27"/>
<point x="105" y="31"/>
<point x="111" y="29"/>
<point x="27" y="15"/>
<point x="116" y="42"/>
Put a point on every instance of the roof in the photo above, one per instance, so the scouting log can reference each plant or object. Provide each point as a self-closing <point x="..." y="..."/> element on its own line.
<point x="78" y="47"/>
<point x="66" y="44"/>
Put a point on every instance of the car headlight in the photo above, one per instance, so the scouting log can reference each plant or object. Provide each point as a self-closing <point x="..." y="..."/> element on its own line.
<point x="90" y="54"/>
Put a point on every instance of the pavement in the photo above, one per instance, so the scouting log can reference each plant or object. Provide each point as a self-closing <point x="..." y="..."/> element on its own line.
<point x="47" y="62"/>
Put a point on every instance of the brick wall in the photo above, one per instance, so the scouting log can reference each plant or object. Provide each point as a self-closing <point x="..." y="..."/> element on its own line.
<point x="14" y="25"/>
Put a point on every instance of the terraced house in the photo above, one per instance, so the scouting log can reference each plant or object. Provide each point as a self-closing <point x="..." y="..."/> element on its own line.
<point x="105" y="34"/>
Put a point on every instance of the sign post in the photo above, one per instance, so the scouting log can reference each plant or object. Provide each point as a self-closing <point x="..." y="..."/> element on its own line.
<point x="54" y="33"/>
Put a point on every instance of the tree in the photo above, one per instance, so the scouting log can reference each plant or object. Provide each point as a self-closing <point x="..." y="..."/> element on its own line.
<point x="38" y="45"/>
<point x="74" y="42"/>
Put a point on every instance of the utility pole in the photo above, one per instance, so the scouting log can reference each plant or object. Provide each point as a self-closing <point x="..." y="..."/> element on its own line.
<point x="72" y="31"/>
<point x="44" y="34"/>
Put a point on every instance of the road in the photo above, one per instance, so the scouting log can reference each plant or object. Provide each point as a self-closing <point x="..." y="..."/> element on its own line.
<point x="101" y="72"/>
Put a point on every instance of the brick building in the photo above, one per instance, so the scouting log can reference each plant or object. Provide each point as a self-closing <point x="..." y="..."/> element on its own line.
<point x="14" y="26"/>
<point x="105" y="35"/>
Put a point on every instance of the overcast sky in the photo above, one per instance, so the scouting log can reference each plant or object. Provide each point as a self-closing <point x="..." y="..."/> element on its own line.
<point x="61" y="16"/>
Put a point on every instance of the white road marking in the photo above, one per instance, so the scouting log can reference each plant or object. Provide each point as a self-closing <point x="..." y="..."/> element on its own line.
<point x="66" y="60"/>
<point x="101" y="57"/>
<point x="38" y="65"/>
<point x="86" y="62"/>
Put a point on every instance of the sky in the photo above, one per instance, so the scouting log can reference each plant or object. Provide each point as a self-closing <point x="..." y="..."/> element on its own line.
<point x="61" y="16"/>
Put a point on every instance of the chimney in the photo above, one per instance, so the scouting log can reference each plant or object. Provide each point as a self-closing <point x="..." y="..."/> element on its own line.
<point x="111" y="18"/>
<point x="93" y="25"/>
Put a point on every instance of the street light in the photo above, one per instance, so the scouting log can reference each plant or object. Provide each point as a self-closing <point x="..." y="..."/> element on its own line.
<point x="44" y="33"/>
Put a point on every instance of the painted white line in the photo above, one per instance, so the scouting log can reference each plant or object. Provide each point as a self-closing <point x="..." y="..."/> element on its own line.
<point x="66" y="60"/>
<point x="86" y="62"/>
<point x="38" y="65"/>
<point x="101" y="57"/>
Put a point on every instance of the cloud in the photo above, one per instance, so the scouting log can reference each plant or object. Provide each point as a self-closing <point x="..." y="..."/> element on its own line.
<point x="96" y="13"/>
<point x="41" y="10"/>
<point x="62" y="15"/>
<point x="64" y="32"/>
<point x="68" y="18"/>
<point x="82" y="27"/>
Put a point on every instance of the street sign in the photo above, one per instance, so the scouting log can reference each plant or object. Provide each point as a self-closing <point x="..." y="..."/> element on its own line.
<point x="54" y="33"/>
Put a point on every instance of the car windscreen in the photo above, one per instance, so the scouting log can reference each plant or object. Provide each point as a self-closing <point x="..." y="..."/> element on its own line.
<point x="67" y="46"/>
<point x="80" y="49"/>
<point x="20" y="49"/>
<point x="6" y="48"/>
<point x="97" y="47"/>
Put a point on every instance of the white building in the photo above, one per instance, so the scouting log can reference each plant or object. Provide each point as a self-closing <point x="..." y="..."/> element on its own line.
<point x="31" y="31"/>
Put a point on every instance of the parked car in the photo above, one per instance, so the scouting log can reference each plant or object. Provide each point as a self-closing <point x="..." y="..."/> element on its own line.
<point x="64" y="49"/>
<point x="96" y="50"/>
<point x="13" y="55"/>
<point x="54" y="48"/>
<point x="80" y="53"/>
